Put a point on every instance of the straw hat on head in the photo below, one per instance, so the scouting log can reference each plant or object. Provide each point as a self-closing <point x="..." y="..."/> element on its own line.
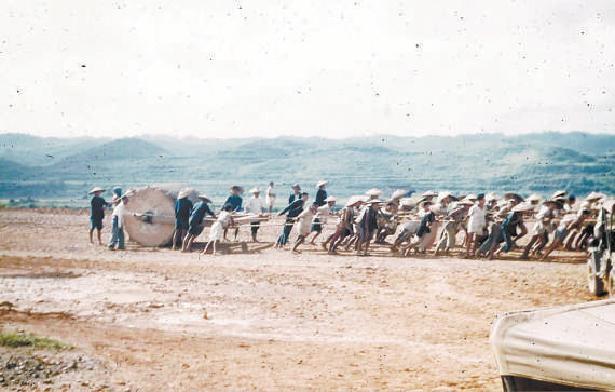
<point x="472" y="197"/>
<point x="254" y="190"/>
<point x="321" y="183"/>
<point x="444" y="195"/>
<point x="465" y="202"/>
<point x="204" y="197"/>
<point x="491" y="196"/>
<point x="183" y="194"/>
<point x="534" y="197"/>
<point x="398" y="194"/>
<point x="353" y="201"/>
<point x="374" y="192"/>
<point x="594" y="196"/>
<point x="296" y="186"/>
<point x="374" y="201"/>
<point x="429" y="194"/>
<point x="560" y="193"/>
<point x="330" y="199"/>
<point x="425" y="203"/>
<point x="406" y="202"/>
<point x="523" y="207"/>
<point x="96" y="189"/>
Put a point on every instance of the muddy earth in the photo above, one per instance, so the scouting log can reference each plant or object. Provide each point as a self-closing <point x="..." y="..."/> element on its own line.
<point x="262" y="319"/>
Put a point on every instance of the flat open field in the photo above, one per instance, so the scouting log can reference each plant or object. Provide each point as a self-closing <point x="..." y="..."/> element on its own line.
<point x="153" y="319"/>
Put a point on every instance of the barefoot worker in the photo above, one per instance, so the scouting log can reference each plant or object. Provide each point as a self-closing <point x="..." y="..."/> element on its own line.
<point x="255" y="207"/>
<point x="224" y="221"/>
<point x="117" y="229"/>
<point x="320" y="219"/>
<point x="97" y="213"/>
<point x="195" y="223"/>
<point x="183" y="208"/>
<point x="304" y="225"/>
<point x="367" y="223"/>
<point x="291" y="211"/>
<point x="236" y="202"/>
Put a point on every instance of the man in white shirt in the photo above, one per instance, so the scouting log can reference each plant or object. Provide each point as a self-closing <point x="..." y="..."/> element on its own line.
<point x="117" y="231"/>
<point x="320" y="219"/>
<point x="254" y="206"/>
<point x="477" y="223"/>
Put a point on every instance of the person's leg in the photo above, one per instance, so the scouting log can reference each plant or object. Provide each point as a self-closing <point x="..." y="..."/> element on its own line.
<point x="176" y="235"/>
<point x="215" y="250"/>
<point x="114" y="233"/>
<point x="254" y="230"/>
<point x="91" y="235"/>
<point x="470" y="241"/>
<point x="206" y="247"/>
<point x="300" y="240"/>
<point x="120" y="235"/>
<point x="98" y="236"/>
<point x="185" y="242"/>
<point x="528" y="247"/>
<point x="287" y="230"/>
<point x="225" y="234"/>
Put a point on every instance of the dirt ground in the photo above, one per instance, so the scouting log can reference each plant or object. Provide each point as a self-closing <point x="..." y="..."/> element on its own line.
<point x="268" y="320"/>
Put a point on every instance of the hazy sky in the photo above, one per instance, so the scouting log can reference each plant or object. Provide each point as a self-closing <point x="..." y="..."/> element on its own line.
<point x="326" y="68"/>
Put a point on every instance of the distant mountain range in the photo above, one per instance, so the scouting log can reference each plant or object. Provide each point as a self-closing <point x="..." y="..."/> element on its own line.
<point x="65" y="168"/>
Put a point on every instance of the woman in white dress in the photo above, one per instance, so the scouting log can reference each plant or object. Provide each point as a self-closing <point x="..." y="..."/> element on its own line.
<point x="224" y="221"/>
<point x="270" y="197"/>
<point x="477" y="222"/>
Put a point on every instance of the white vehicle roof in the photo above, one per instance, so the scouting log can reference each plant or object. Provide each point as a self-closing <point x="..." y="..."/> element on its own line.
<point x="571" y="345"/>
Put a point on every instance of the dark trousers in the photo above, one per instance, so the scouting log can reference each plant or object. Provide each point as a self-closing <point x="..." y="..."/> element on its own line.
<point x="254" y="226"/>
<point x="117" y="234"/>
<point x="283" y="238"/>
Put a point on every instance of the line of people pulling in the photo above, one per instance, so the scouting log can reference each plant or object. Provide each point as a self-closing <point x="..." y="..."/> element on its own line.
<point x="491" y="225"/>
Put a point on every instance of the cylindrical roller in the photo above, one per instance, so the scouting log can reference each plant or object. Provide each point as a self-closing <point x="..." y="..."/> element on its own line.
<point x="150" y="214"/>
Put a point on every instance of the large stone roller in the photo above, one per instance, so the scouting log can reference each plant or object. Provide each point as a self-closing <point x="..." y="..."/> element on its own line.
<point x="150" y="214"/>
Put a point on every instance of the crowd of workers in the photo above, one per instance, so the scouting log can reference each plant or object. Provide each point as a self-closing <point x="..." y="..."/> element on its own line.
<point x="490" y="225"/>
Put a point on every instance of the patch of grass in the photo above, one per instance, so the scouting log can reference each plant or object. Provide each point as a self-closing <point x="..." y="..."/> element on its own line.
<point x="16" y="340"/>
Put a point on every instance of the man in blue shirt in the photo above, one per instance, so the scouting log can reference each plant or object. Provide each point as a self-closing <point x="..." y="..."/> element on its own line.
<point x="236" y="202"/>
<point x="296" y="195"/>
<point x="321" y="193"/>
<point x="195" y="222"/>
<point x="183" y="209"/>
<point x="97" y="213"/>
<point x="291" y="211"/>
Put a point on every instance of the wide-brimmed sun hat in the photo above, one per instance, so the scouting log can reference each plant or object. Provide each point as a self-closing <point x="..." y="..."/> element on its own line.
<point x="523" y="207"/>
<point x="204" y="197"/>
<point x="443" y="195"/>
<point x="254" y="190"/>
<point x="472" y="197"/>
<point x="491" y="196"/>
<point x="425" y="203"/>
<point x="96" y="189"/>
<point x="374" y="192"/>
<point x="183" y="193"/>
<point x="330" y="198"/>
<point x="429" y="193"/>
<point x="321" y="183"/>
<point x="374" y="201"/>
<point x="534" y="197"/>
<point x="296" y="186"/>
<point x="593" y="196"/>
<point x="398" y="194"/>
<point x="560" y="193"/>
